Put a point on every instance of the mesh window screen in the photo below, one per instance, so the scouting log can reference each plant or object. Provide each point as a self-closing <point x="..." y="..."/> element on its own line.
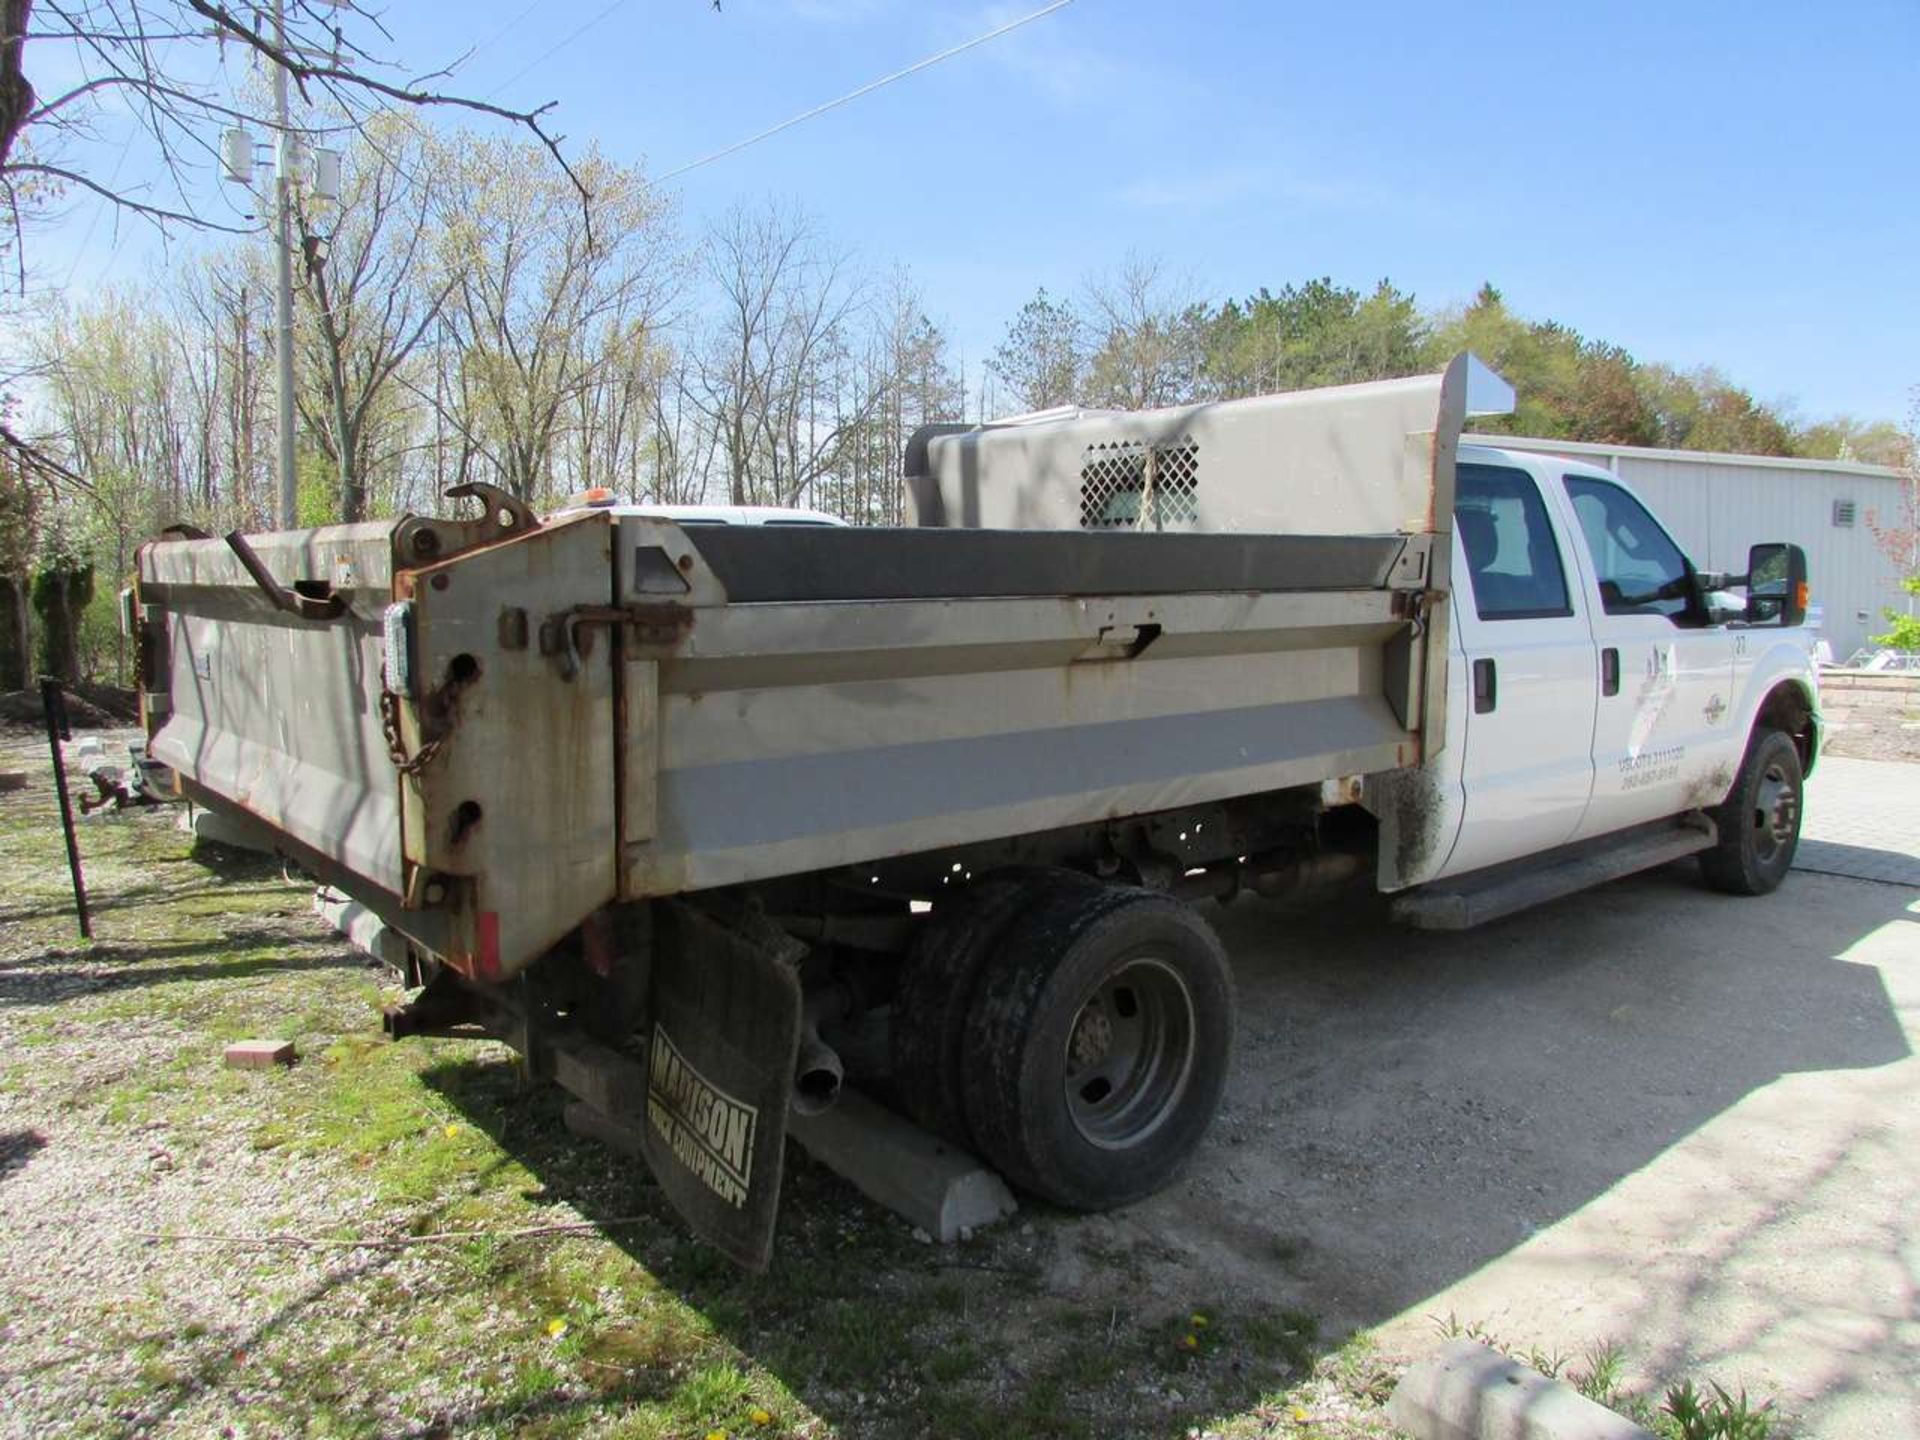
<point x="1130" y="485"/>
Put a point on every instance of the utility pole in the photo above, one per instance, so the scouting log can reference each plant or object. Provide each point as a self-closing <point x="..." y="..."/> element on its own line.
<point x="239" y="159"/>
<point x="283" y="298"/>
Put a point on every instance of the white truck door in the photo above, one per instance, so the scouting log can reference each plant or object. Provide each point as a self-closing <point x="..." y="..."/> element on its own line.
<point x="1532" y="679"/>
<point x="1663" y="731"/>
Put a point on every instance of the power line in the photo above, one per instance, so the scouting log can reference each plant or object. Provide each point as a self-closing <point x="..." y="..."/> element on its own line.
<point x="555" y="48"/>
<point x="497" y="36"/>
<point x="867" y="89"/>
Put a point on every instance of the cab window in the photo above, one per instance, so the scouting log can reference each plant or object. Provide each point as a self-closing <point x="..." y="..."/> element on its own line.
<point x="1512" y="560"/>
<point x="1639" y="568"/>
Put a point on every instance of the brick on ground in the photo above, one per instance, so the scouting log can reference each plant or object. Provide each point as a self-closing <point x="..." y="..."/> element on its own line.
<point x="259" y="1054"/>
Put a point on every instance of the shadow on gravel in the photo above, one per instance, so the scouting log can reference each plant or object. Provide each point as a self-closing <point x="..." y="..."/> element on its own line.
<point x="142" y="897"/>
<point x="75" y="972"/>
<point x="1405" y="1109"/>
<point x="224" y="1365"/>
<point x="17" y="1147"/>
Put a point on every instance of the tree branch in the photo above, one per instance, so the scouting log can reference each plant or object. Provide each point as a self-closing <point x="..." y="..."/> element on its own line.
<point x="301" y="72"/>
<point x="39" y="461"/>
<point x="157" y="213"/>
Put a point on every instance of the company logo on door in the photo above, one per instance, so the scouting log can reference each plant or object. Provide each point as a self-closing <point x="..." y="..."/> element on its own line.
<point x="708" y="1131"/>
<point x="1716" y="707"/>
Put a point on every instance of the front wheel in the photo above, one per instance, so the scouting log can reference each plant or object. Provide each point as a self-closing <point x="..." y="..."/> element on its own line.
<point x="1759" y="821"/>
<point x="1098" y="1045"/>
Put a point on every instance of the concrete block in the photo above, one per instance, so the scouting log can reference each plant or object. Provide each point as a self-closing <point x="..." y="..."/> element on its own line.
<point x="363" y="929"/>
<point x="13" y="779"/>
<point x="609" y="1130"/>
<point x="259" y="1054"/>
<point x="889" y="1159"/>
<point x="923" y="1180"/>
<point x="1467" y="1391"/>
<point x="212" y="827"/>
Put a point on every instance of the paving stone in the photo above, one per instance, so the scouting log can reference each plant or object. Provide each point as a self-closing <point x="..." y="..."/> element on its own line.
<point x="259" y="1054"/>
<point x="1862" y="821"/>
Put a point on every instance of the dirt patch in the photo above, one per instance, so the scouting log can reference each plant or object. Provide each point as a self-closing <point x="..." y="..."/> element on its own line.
<point x="1880" y="721"/>
<point x="89" y="707"/>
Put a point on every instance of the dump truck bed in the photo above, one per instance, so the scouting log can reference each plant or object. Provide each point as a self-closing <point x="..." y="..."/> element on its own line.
<point x="487" y="730"/>
<point x="856" y="708"/>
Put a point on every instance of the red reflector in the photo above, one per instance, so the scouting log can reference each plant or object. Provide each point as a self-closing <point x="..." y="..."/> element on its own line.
<point x="486" y="959"/>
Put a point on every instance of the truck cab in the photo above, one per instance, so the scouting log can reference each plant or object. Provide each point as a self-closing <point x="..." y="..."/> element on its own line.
<point x="1594" y="686"/>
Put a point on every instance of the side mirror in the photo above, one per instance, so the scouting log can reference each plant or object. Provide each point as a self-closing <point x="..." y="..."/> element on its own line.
<point x="1776" y="585"/>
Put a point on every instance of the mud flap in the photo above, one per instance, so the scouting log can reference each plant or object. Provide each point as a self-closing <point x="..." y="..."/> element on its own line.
<point x="725" y="1034"/>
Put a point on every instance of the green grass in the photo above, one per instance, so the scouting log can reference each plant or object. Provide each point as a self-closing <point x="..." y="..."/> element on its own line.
<point x="1682" y="1412"/>
<point x="855" y="1331"/>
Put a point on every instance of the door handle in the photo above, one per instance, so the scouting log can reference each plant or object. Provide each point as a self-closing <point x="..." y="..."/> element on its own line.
<point x="1485" y="684"/>
<point x="1609" y="671"/>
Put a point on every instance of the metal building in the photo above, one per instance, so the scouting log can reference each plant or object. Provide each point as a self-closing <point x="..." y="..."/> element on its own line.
<point x="1717" y="505"/>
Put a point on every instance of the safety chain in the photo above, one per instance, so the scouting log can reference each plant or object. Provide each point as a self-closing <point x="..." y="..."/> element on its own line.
<point x="396" y="747"/>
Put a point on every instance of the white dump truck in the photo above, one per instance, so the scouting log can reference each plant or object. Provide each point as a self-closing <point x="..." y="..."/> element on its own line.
<point x="683" y="812"/>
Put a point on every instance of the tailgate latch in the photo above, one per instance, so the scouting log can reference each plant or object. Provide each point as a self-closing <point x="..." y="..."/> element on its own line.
<point x="638" y="625"/>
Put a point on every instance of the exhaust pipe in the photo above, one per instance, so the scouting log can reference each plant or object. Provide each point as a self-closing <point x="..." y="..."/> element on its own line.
<point x="818" y="1071"/>
<point x="817" y="1075"/>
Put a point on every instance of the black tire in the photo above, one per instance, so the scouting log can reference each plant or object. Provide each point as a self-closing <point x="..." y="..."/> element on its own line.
<point x="1759" y="821"/>
<point x="1098" y="1044"/>
<point x="936" y="986"/>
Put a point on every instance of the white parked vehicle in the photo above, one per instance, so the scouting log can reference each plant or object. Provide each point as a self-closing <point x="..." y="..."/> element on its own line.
<point x="1580" y="617"/>
<point x="601" y="498"/>
<point x="673" y="807"/>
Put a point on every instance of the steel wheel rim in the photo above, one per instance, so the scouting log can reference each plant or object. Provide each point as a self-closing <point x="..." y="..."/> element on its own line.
<point x="1129" y="1054"/>
<point x="1776" y="811"/>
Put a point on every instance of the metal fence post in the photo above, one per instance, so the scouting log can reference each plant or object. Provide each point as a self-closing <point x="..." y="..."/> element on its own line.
<point x="55" y="701"/>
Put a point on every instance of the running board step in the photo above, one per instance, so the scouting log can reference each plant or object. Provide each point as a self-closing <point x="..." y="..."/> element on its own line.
<point x="1519" y="885"/>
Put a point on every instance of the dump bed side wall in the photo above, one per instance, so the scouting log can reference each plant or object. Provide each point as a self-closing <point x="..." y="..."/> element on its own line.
<point x="272" y="714"/>
<point x="797" y="736"/>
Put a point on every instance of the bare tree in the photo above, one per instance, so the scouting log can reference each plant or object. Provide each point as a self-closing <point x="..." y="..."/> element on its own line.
<point x="144" y="61"/>
<point x="221" y="300"/>
<point x="373" y="297"/>
<point x="136" y="68"/>
<point x="768" y="377"/>
<point x="544" y="304"/>
<point x="907" y="371"/>
<point x="680" y="447"/>
<point x="1146" y="338"/>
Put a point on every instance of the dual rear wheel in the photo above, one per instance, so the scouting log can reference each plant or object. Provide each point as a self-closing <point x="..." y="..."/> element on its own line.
<point x="1074" y="1034"/>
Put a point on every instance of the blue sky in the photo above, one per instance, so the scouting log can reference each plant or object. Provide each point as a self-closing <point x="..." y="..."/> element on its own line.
<point x="1722" y="183"/>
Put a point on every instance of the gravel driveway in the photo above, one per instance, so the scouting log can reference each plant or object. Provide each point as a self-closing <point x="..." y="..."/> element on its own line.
<point x="1648" y="1115"/>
